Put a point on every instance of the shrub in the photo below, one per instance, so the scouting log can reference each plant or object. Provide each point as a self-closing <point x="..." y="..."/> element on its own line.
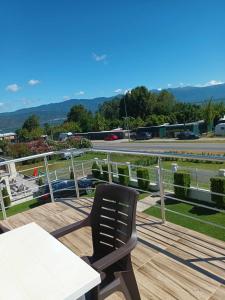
<point x="143" y="178"/>
<point x="6" y="197"/>
<point x="123" y="175"/>
<point x="40" y="181"/>
<point x="96" y="173"/>
<point x="217" y="185"/>
<point x="105" y="175"/>
<point x="71" y="174"/>
<point x="182" y="178"/>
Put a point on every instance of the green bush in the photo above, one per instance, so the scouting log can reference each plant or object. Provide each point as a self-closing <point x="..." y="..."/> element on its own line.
<point x="217" y="185"/>
<point x="96" y="173"/>
<point x="6" y="197"/>
<point x="40" y="181"/>
<point x="105" y="175"/>
<point x="143" y="178"/>
<point x="182" y="178"/>
<point x="71" y="175"/>
<point x="123" y="175"/>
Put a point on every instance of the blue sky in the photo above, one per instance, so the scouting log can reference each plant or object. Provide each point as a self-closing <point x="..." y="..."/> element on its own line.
<point x="54" y="50"/>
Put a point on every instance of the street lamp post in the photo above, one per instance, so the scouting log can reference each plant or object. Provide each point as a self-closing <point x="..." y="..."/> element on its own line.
<point x="126" y="117"/>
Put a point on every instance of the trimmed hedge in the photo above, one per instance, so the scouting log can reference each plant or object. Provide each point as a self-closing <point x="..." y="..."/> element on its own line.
<point x="105" y="175"/>
<point x="143" y="178"/>
<point x="6" y="198"/>
<point x="71" y="174"/>
<point x="182" y="178"/>
<point x="124" y="178"/>
<point x="96" y="173"/>
<point x="40" y="181"/>
<point x="217" y="185"/>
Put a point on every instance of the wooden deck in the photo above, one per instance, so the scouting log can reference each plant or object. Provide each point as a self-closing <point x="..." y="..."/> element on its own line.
<point x="171" y="262"/>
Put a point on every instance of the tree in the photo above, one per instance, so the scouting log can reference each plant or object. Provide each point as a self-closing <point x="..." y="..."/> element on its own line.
<point x="31" y="123"/>
<point x="110" y="109"/>
<point x="99" y="122"/>
<point x="80" y="115"/>
<point x="164" y="103"/>
<point x="137" y="103"/>
<point x="208" y="114"/>
<point x="154" y="120"/>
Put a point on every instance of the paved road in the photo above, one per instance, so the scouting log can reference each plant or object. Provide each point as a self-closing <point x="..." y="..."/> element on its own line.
<point x="168" y="146"/>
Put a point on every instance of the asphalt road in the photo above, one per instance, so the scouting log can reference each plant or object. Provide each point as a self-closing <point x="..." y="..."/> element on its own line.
<point x="161" y="147"/>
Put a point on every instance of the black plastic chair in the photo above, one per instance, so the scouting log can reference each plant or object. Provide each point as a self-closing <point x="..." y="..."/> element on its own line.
<point x="114" y="236"/>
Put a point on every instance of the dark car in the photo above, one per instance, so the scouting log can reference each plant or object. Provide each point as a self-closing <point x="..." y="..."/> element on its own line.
<point x="187" y="135"/>
<point x="143" y="136"/>
<point x="66" y="188"/>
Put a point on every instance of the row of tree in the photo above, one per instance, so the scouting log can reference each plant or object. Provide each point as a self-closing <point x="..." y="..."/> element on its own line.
<point x="139" y="107"/>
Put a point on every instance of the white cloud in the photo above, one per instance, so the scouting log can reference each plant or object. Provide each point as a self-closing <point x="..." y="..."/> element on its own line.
<point x="159" y="89"/>
<point x="80" y="93"/>
<point x="101" y="57"/>
<point x="118" y="91"/>
<point x="210" y="83"/>
<point x="13" y="87"/>
<point x="1" y="104"/>
<point x="33" y="82"/>
<point x="169" y="85"/>
<point x="66" y="97"/>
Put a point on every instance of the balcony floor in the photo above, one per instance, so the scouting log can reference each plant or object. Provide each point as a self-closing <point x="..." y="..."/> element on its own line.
<point x="170" y="262"/>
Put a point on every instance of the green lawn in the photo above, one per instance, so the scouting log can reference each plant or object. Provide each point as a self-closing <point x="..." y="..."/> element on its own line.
<point x="13" y="210"/>
<point x="199" y="165"/>
<point x="193" y="211"/>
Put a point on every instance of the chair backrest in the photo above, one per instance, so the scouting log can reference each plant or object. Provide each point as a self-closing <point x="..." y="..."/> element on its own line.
<point x="112" y="217"/>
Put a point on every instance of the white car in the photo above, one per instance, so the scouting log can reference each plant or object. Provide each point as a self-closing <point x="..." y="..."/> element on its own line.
<point x="76" y="152"/>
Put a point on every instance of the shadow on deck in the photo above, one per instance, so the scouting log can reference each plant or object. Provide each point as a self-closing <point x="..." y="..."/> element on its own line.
<point x="170" y="262"/>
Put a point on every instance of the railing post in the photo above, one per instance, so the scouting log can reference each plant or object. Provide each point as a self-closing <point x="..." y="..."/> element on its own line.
<point x="196" y="177"/>
<point x="129" y="169"/>
<point x="75" y="176"/>
<point x="2" y="205"/>
<point x="109" y="168"/>
<point x="157" y="177"/>
<point x="161" y="189"/>
<point x="49" y="179"/>
<point x="56" y="175"/>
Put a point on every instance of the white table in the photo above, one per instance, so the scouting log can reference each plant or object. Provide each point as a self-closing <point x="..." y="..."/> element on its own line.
<point x="35" y="266"/>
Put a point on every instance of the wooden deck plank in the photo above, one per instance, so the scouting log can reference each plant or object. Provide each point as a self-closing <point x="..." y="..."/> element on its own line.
<point x="170" y="262"/>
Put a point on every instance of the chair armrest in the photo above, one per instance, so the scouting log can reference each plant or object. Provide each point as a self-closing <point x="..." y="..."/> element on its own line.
<point x="70" y="228"/>
<point x="115" y="256"/>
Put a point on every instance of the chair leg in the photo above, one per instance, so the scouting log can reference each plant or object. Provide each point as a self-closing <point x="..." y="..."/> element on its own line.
<point x="129" y="285"/>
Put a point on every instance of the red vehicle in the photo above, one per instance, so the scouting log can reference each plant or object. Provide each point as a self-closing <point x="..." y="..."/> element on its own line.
<point x="111" y="137"/>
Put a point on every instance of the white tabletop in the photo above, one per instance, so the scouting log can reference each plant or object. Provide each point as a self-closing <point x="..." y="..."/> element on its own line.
<point x="35" y="266"/>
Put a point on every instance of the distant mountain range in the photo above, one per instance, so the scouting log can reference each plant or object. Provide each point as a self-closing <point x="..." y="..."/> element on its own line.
<point x="54" y="113"/>
<point x="199" y="94"/>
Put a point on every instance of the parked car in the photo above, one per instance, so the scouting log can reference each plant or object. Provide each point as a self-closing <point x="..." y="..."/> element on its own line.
<point x="187" y="135"/>
<point x="66" y="188"/>
<point x="143" y="136"/>
<point x="111" y="137"/>
<point x="76" y="152"/>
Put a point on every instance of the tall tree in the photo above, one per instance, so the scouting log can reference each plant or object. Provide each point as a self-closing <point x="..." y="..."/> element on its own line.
<point x="110" y="109"/>
<point x="136" y="103"/>
<point x="80" y="115"/>
<point x="209" y="113"/>
<point x="31" y="123"/>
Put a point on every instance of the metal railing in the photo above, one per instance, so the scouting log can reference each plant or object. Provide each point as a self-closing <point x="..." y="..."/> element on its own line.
<point x="160" y="178"/>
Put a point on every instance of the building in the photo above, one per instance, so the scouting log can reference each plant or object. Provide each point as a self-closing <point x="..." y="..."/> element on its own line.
<point x="9" y="136"/>
<point x="171" y="130"/>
